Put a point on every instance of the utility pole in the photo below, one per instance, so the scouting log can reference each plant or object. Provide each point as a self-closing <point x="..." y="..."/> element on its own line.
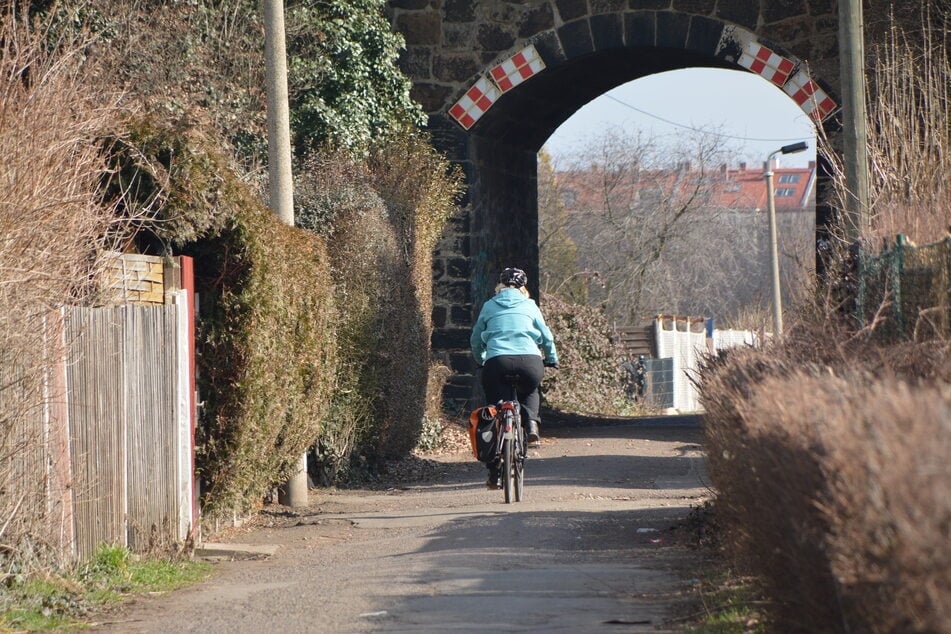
<point x="280" y="180"/>
<point x="773" y="250"/>
<point x="855" y="133"/>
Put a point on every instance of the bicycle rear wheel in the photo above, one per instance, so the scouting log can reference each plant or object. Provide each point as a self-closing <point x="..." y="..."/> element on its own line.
<point x="508" y="470"/>
<point x="518" y="464"/>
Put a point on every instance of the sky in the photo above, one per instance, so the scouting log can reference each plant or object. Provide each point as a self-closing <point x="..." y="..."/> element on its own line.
<point x="741" y="104"/>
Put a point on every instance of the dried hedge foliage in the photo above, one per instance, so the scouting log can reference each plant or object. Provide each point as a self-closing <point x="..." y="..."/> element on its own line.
<point x="267" y="354"/>
<point x="266" y="341"/>
<point x="174" y="182"/>
<point x="362" y="248"/>
<point x="419" y="189"/>
<point x="382" y="218"/>
<point x="834" y="484"/>
<point x="830" y="452"/>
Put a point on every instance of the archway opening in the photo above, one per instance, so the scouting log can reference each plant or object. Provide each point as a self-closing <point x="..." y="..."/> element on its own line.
<point x="643" y="215"/>
<point x="494" y="128"/>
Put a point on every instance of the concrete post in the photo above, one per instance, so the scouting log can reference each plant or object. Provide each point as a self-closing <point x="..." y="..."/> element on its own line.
<point x="280" y="179"/>
<point x="855" y="132"/>
<point x="294" y="491"/>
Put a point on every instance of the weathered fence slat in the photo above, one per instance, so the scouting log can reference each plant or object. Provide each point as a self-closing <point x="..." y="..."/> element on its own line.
<point x="96" y="408"/>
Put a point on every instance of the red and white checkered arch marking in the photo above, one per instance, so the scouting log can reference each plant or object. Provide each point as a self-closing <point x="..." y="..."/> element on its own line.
<point x="502" y="78"/>
<point x="517" y="68"/>
<point x="475" y="102"/>
<point x="810" y="97"/>
<point x="766" y="62"/>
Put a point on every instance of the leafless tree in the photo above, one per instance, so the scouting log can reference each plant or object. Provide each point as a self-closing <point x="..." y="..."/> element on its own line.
<point x="649" y="229"/>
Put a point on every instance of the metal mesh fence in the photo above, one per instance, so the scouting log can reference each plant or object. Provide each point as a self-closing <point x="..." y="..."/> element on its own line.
<point x="906" y="290"/>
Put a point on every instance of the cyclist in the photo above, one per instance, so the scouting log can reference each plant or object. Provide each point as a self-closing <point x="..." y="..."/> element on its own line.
<point x="508" y="338"/>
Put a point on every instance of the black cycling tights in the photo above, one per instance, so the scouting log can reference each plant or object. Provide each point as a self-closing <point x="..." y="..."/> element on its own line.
<point x="528" y="366"/>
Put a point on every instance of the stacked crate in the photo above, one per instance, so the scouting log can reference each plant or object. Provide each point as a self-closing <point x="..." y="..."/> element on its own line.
<point x="131" y="278"/>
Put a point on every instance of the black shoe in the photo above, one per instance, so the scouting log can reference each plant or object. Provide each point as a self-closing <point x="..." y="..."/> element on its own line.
<point x="532" y="432"/>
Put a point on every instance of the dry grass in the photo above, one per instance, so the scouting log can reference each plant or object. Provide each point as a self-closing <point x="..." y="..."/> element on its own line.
<point x="909" y="139"/>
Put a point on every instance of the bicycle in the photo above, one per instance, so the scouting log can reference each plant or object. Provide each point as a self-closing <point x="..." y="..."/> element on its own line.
<point x="511" y="447"/>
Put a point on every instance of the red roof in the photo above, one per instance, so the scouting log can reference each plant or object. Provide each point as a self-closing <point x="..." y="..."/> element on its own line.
<point x="793" y="187"/>
<point x="727" y="188"/>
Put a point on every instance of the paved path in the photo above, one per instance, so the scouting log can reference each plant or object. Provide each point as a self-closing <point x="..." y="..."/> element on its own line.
<point x="589" y="550"/>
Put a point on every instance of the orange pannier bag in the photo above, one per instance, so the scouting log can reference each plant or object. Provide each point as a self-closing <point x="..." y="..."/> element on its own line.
<point x="480" y="420"/>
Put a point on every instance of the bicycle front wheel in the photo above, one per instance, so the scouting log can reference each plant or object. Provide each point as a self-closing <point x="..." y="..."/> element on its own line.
<point x="508" y="470"/>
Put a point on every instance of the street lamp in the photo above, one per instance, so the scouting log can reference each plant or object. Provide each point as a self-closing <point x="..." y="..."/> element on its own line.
<point x="773" y="244"/>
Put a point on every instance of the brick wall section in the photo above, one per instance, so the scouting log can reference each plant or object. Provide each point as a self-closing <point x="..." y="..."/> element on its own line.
<point x="451" y="43"/>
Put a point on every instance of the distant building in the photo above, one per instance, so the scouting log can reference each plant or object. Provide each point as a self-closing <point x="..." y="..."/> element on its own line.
<point x="736" y="189"/>
<point x="745" y="189"/>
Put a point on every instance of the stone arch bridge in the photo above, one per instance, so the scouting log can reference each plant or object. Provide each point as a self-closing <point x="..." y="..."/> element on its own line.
<point x="497" y="77"/>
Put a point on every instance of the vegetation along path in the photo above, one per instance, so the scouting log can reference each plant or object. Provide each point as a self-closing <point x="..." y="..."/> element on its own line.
<point x="594" y="547"/>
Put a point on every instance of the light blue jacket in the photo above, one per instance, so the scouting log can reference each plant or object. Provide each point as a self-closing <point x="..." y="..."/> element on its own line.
<point x="511" y="323"/>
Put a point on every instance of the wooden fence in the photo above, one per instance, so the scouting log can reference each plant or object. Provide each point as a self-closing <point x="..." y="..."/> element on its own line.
<point x="127" y="380"/>
<point x="637" y="340"/>
<point x="97" y="420"/>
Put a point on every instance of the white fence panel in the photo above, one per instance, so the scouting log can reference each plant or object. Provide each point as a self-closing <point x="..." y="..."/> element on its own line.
<point x="685" y="348"/>
<point x="723" y="339"/>
<point x="676" y="340"/>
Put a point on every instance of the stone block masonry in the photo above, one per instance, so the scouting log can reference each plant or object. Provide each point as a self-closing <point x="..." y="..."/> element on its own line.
<point x="585" y="48"/>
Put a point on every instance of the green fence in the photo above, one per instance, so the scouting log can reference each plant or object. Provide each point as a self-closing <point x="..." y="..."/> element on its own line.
<point x="906" y="288"/>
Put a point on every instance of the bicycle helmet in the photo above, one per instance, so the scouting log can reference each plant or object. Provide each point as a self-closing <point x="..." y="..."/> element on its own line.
<point x="513" y="277"/>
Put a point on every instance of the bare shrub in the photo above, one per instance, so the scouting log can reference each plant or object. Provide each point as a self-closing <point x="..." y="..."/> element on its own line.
<point x="829" y="479"/>
<point x="198" y="61"/>
<point x="382" y="218"/>
<point x="267" y="354"/>
<point x="336" y="200"/>
<point x="888" y="504"/>
<point x="767" y="475"/>
<point x="909" y="139"/>
<point x="53" y="230"/>
<point x="420" y="190"/>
